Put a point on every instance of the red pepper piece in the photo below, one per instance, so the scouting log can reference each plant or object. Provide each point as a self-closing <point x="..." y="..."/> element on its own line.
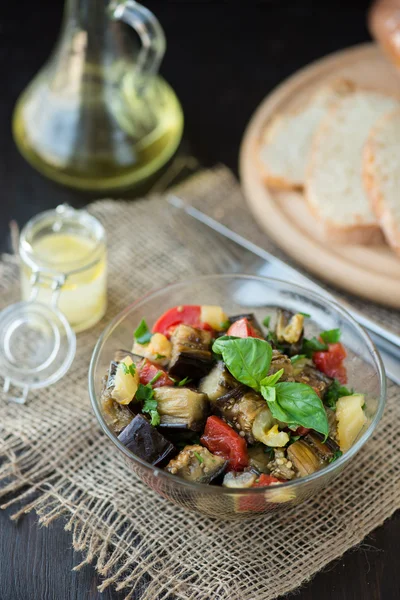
<point x="243" y="329"/>
<point x="220" y="439"/>
<point x="330" y="361"/>
<point x="147" y="372"/>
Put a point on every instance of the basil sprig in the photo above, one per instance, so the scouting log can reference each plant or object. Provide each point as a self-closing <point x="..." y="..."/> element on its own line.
<point x="249" y="360"/>
<point x="296" y="404"/>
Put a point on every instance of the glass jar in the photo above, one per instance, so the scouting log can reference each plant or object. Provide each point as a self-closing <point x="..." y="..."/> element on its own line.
<point x="63" y="281"/>
<point x="63" y="261"/>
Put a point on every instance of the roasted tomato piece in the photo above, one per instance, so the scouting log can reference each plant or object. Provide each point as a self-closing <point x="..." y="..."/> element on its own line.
<point x="189" y="314"/>
<point x="264" y="480"/>
<point x="222" y="440"/>
<point x="330" y="362"/>
<point x="243" y="329"/>
<point x="148" y="371"/>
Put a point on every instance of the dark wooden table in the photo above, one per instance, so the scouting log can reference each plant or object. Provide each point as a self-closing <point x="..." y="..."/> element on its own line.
<point x="222" y="59"/>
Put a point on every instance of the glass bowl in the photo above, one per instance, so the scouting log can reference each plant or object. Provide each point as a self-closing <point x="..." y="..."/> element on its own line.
<point x="239" y="294"/>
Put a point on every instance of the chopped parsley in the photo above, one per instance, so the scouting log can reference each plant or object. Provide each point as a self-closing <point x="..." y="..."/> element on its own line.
<point x="145" y="394"/>
<point x="332" y="336"/>
<point x="183" y="382"/>
<point x="158" y="356"/>
<point x="297" y="357"/>
<point x="335" y="456"/>
<point x="142" y="333"/>
<point x="313" y="345"/>
<point x="199" y="457"/>
<point x="156" y="377"/>
<point x="266" y="321"/>
<point x="305" y="315"/>
<point x="128" y="369"/>
<point x="335" y="391"/>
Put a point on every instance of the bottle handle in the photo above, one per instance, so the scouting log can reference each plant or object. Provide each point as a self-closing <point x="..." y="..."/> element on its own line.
<point x="149" y="31"/>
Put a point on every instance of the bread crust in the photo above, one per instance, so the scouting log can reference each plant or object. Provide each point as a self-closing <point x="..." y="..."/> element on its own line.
<point x="371" y="184"/>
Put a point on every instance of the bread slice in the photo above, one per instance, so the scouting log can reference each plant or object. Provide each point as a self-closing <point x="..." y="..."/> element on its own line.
<point x="381" y="171"/>
<point x="334" y="184"/>
<point x="285" y="143"/>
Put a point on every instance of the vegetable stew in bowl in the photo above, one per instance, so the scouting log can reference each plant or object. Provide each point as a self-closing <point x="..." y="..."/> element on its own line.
<point x="226" y="400"/>
<point x="248" y="396"/>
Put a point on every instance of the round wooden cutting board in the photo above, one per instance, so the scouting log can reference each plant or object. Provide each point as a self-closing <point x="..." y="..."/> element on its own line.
<point x="369" y="271"/>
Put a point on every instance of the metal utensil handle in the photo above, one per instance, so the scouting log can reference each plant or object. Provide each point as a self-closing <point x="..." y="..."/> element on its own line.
<point x="387" y="342"/>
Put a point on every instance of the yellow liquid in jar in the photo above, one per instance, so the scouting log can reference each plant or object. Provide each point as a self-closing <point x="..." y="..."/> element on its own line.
<point x="83" y="297"/>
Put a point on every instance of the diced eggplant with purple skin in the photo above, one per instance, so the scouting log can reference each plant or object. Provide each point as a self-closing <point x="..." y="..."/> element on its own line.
<point x="196" y="464"/>
<point x="146" y="442"/>
<point x="251" y="319"/>
<point x="181" y="407"/>
<point x="289" y="331"/>
<point x="191" y="352"/>
<point x="218" y="382"/>
<point x="112" y="371"/>
<point x="311" y="376"/>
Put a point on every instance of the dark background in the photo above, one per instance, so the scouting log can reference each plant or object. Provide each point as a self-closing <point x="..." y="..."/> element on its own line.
<point x="222" y="59"/>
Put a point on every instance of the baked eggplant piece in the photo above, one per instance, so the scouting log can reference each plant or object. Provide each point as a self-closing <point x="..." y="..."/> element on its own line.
<point x="196" y="464"/>
<point x="191" y="352"/>
<point x="218" y="382"/>
<point x="311" y="376"/>
<point x="117" y="416"/>
<point x="304" y="458"/>
<point x="289" y="331"/>
<point x="251" y="319"/>
<point x="259" y="458"/>
<point x="326" y="450"/>
<point x="240" y="408"/>
<point x="146" y="442"/>
<point x="246" y="479"/>
<point x="181" y="407"/>
<point x="281" y="361"/>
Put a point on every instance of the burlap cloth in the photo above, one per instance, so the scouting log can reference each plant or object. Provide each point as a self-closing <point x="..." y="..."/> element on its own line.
<point x="56" y="460"/>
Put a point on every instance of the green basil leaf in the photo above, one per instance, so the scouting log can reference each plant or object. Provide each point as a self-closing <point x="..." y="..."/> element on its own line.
<point x="142" y="333"/>
<point x="219" y="343"/>
<point x="297" y="404"/>
<point x="272" y="379"/>
<point x="332" y="336"/>
<point x="247" y="359"/>
<point x="269" y="393"/>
